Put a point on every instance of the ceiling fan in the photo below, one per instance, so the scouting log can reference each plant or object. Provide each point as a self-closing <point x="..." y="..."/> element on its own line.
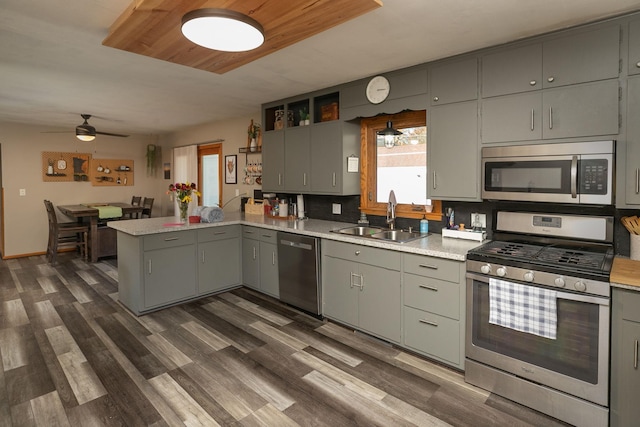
<point x="86" y="132"/>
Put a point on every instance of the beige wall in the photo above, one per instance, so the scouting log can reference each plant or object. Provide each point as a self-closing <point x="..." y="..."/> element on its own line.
<point x="25" y="222"/>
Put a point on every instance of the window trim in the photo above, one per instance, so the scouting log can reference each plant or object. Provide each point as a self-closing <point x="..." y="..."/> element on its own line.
<point x="368" y="184"/>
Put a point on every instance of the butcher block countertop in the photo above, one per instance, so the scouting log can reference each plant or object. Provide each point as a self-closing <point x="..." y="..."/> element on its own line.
<point x="625" y="273"/>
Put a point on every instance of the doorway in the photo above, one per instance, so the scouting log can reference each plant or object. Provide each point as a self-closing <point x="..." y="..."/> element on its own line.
<point x="210" y="174"/>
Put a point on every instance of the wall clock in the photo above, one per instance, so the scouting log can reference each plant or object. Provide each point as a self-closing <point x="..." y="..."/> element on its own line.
<point x="378" y="89"/>
<point x="62" y="164"/>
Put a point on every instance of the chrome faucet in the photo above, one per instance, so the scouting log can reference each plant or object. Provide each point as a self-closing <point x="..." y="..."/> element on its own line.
<point x="391" y="210"/>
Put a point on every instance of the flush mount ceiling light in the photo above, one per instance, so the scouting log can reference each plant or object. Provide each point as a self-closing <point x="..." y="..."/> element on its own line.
<point x="222" y="29"/>
<point x="389" y="134"/>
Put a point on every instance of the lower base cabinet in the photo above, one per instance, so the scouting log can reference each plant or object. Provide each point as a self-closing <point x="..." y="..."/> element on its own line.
<point x="260" y="260"/>
<point x="159" y="270"/>
<point x="625" y="363"/>
<point x="361" y="288"/>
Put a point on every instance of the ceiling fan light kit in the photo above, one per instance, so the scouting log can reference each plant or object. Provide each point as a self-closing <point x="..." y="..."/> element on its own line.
<point x="222" y="29"/>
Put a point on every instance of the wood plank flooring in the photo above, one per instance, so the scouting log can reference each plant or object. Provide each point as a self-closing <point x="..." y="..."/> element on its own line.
<point x="73" y="356"/>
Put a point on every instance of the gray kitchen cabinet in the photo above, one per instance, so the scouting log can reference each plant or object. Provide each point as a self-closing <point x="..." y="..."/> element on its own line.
<point x="273" y="160"/>
<point x="625" y="366"/>
<point x="361" y="288"/>
<point x="453" y="154"/>
<point x="297" y="159"/>
<point x="588" y="109"/>
<point x="433" y="308"/>
<point x="632" y="158"/>
<point x="219" y="257"/>
<point x="331" y="144"/>
<point x="260" y="260"/>
<point x="634" y="47"/>
<point x="586" y="56"/>
<point x="454" y="81"/>
<point x="513" y="70"/>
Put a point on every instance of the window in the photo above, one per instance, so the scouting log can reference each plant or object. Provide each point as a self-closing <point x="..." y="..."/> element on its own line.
<point x="210" y="174"/>
<point x="400" y="166"/>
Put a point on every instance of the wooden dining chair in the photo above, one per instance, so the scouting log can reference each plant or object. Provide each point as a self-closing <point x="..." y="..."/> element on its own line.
<point x="135" y="201"/>
<point x="65" y="235"/>
<point x="147" y="205"/>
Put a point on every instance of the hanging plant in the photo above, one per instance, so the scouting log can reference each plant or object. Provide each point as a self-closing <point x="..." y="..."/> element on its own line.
<point x="153" y="153"/>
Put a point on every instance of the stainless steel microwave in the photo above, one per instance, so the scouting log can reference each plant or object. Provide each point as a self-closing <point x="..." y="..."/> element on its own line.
<point x="576" y="172"/>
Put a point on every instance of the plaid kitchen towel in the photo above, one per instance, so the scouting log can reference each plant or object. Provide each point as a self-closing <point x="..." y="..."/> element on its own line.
<point x="524" y="308"/>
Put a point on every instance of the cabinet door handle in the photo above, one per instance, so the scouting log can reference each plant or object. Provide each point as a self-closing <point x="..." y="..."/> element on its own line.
<point x="304" y="179"/>
<point x="428" y="322"/>
<point x="637" y="180"/>
<point x="351" y="281"/>
<point x="550" y="117"/>
<point x="637" y="64"/>
<point x="254" y="253"/>
<point x="635" y="355"/>
<point x="429" y="266"/>
<point x="273" y="258"/>
<point x="533" y="82"/>
<point x="361" y="283"/>
<point x="436" y="99"/>
<point x="279" y="179"/>
<point x="334" y="179"/>
<point x="170" y="239"/>
<point x="217" y="233"/>
<point x="149" y="266"/>
<point x="434" y="180"/>
<point x="357" y="253"/>
<point x="427" y="287"/>
<point x="203" y="256"/>
<point x="532" y="117"/>
<point x="550" y="79"/>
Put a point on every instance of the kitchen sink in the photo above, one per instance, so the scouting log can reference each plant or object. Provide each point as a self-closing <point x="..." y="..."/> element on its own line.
<point x="399" y="236"/>
<point x="359" y="231"/>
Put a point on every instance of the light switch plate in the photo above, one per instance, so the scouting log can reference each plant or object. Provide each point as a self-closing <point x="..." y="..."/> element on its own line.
<point x="23" y="191"/>
<point x="336" y="208"/>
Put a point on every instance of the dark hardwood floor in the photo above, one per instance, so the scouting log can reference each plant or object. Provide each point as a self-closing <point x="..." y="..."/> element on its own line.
<point x="73" y="356"/>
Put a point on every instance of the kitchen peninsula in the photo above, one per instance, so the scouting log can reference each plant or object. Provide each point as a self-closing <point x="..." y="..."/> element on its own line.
<point x="163" y="263"/>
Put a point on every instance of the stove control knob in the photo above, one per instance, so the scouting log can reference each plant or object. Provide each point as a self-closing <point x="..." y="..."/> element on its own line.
<point x="486" y="269"/>
<point x="501" y="271"/>
<point x="559" y="282"/>
<point x="528" y="276"/>
<point x="580" y="286"/>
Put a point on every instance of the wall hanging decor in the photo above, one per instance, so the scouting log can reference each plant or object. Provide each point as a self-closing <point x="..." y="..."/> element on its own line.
<point x="111" y="172"/>
<point x="64" y="167"/>
<point x="231" y="169"/>
<point x="153" y="156"/>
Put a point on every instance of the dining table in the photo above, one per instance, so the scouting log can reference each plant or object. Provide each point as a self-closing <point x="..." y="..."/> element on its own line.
<point x="94" y="212"/>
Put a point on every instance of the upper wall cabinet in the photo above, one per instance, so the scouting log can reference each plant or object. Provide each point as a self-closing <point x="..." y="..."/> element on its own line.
<point x="634" y="47"/>
<point x="454" y="81"/>
<point x="579" y="58"/>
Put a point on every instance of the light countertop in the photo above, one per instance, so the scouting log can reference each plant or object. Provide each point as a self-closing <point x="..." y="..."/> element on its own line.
<point x="433" y="245"/>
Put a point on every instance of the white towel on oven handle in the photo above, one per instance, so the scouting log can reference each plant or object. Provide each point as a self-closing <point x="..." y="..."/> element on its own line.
<point x="524" y="308"/>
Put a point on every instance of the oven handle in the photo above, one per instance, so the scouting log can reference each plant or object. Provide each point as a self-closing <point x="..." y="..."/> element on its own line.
<point x="574" y="177"/>
<point x="592" y="299"/>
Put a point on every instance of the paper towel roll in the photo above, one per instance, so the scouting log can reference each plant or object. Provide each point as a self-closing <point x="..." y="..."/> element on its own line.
<point x="300" y="203"/>
<point x="284" y="209"/>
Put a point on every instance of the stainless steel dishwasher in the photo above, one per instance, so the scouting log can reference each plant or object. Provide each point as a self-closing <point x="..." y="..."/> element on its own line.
<point x="299" y="271"/>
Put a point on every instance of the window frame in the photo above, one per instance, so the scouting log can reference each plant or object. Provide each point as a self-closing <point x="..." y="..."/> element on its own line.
<point x="368" y="155"/>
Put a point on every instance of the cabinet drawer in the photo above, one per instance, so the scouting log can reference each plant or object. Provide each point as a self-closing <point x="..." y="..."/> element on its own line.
<point x="432" y="334"/>
<point x="218" y="233"/>
<point x="268" y="236"/>
<point x="629" y="304"/>
<point x="169" y="240"/>
<point x="433" y="295"/>
<point x="251" y="232"/>
<point x="362" y="254"/>
<point x="438" y="268"/>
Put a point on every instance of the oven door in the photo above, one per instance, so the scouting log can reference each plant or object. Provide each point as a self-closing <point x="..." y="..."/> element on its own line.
<point x="576" y="362"/>
<point x="560" y="179"/>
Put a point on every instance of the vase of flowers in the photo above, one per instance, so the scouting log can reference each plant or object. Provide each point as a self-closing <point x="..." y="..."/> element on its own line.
<point x="253" y="133"/>
<point x="183" y="192"/>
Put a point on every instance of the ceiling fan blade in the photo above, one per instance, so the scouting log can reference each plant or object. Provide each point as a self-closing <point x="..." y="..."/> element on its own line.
<point x="112" y="134"/>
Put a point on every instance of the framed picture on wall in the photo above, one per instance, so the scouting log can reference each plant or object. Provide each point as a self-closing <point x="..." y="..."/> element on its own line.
<point x="231" y="169"/>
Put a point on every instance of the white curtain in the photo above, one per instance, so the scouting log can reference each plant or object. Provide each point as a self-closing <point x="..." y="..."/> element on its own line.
<point x="185" y="167"/>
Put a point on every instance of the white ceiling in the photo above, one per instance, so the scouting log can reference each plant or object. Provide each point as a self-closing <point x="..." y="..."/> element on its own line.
<point x="53" y="65"/>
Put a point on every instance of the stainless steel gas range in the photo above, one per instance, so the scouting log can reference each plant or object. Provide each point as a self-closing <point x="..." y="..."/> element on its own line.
<point x="538" y="314"/>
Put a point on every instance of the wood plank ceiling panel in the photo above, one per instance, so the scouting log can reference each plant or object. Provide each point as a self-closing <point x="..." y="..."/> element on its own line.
<point x="152" y="28"/>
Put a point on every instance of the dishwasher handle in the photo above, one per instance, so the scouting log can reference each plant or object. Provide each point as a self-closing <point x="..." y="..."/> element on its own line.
<point x="299" y="245"/>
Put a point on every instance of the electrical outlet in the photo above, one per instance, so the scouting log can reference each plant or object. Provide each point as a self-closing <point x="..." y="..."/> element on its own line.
<point x="478" y="219"/>
<point x="336" y="208"/>
<point x="23" y="191"/>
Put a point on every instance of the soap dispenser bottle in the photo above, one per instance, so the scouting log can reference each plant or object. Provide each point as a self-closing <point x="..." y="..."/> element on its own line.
<point x="424" y="225"/>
